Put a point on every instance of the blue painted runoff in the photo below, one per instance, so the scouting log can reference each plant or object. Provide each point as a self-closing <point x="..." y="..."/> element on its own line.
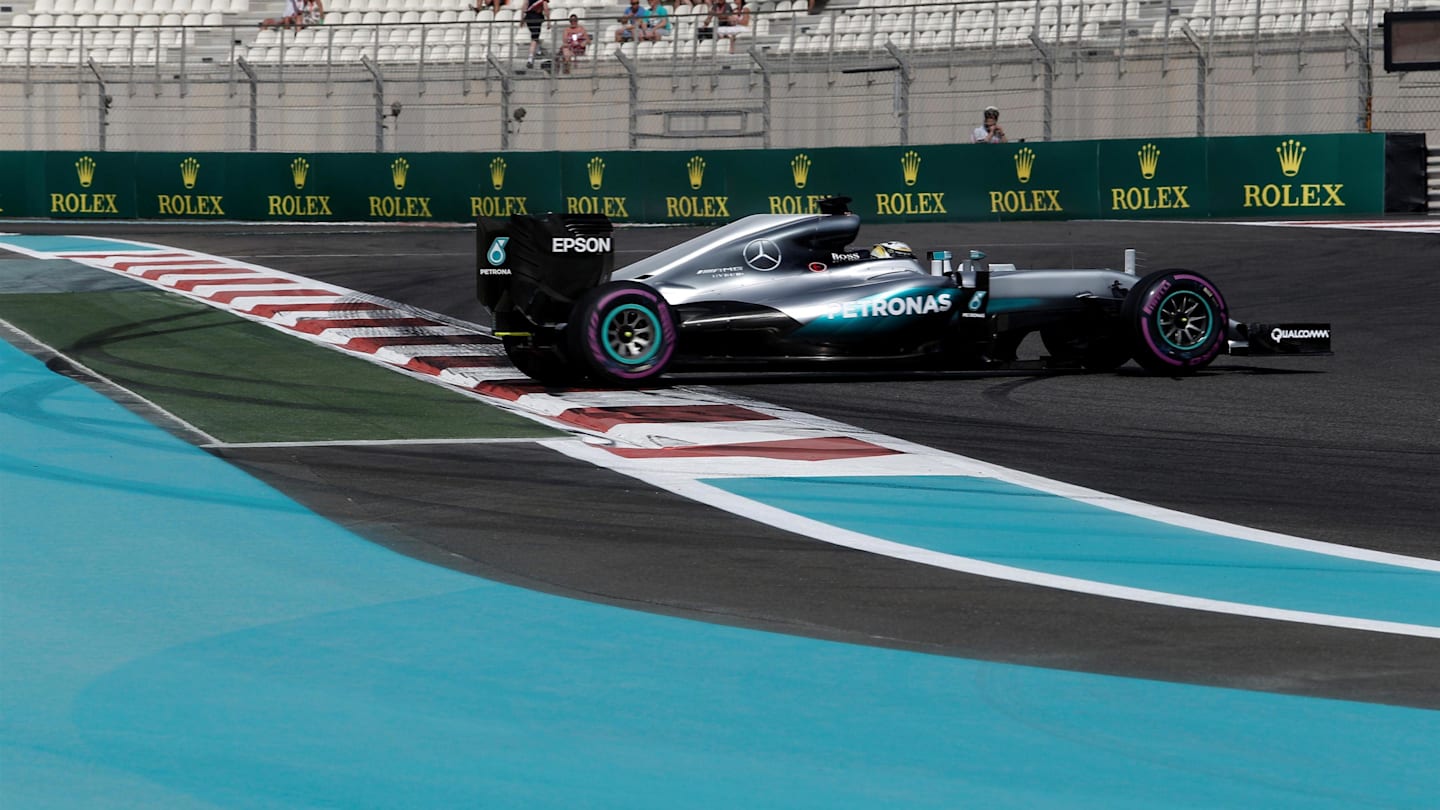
<point x="176" y="634"/>
<point x="1002" y="523"/>
<point x="43" y="243"/>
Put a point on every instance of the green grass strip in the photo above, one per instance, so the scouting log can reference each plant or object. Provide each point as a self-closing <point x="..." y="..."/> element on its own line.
<point x="240" y="381"/>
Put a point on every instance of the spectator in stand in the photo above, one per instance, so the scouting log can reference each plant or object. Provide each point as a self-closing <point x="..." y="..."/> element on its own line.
<point x="312" y="12"/>
<point x="535" y="13"/>
<point x="719" y="16"/>
<point x="290" y="19"/>
<point x="657" y="23"/>
<point x="739" y="24"/>
<point x="573" y="42"/>
<point x="990" y="131"/>
<point x="493" y="5"/>
<point x="632" y="22"/>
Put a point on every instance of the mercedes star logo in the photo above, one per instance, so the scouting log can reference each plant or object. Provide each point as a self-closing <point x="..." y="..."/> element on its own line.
<point x="762" y="254"/>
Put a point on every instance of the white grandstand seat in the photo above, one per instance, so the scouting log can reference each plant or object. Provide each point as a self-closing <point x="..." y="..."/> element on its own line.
<point x="43" y="21"/>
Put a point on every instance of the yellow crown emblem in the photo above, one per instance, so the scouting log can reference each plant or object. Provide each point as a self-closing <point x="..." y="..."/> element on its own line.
<point x="696" y="168"/>
<point x="299" y="169"/>
<point x="1024" y="162"/>
<point x="85" y="170"/>
<point x="800" y="169"/>
<point x="497" y="173"/>
<point x="398" y="170"/>
<point x="1291" y="152"/>
<point x="596" y="170"/>
<point x="910" y="166"/>
<point x="1149" y="160"/>
<point x="189" y="171"/>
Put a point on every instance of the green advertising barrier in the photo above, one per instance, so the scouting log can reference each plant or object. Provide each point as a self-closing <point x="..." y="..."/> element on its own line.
<point x="1160" y="177"/>
<point x="1287" y="175"/>
<point x="1297" y="175"/>
<point x="93" y="185"/>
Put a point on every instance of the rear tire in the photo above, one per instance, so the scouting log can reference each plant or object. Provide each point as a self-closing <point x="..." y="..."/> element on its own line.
<point x="1177" y="322"/>
<point x="622" y="333"/>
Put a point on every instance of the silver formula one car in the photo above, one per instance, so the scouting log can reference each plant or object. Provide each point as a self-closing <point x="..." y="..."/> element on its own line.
<point x="783" y="290"/>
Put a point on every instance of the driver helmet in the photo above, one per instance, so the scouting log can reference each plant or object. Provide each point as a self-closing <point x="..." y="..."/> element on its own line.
<point x="892" y="250"/>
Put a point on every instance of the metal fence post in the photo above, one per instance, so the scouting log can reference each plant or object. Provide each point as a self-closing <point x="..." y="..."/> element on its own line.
<point x="254" y="102"/>
<point x="104" y="103"/>
<point x="379" y="102"/>
<point x="1047" y="98"/>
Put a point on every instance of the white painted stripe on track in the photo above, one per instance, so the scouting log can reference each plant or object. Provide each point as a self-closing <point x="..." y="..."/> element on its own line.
<point x="1387" y="226"/>
<point x="696" y="490"/>
<point x="219" y="445"/>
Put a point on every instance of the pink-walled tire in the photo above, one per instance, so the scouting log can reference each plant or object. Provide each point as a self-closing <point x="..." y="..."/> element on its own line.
<point x="1177" y="321"/>
<point x="623" y="333"/>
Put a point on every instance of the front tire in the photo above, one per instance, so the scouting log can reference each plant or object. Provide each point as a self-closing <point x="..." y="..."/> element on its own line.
<point x="1177" y="322"/>
<point x="622" y="333"/>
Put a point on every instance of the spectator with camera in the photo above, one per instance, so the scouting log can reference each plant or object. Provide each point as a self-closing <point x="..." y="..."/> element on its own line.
<point x="990" y="131"/>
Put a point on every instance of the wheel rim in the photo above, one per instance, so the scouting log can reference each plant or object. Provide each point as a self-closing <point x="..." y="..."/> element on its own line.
<point x="631" y="334"/>
<point x="1185" y="320"/>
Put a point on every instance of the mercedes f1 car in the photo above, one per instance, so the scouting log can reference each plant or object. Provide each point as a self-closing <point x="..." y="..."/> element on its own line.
<point x="785" y="289"/>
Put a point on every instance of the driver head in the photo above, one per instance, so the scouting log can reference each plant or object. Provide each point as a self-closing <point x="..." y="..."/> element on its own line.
<point x="892" y="250"/>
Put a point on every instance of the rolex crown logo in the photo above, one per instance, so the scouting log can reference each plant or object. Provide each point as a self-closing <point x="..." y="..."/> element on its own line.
<point x="189" y="171"/>
<point x="398" y="170"/>
<point x="1291" y="152"/>
<point x="1149" y="160"/>
<point x="299" y="168"/>
<point x="800" y="169"/>
<point x="497" y="173"/>
<point x="910" y="165"/>
<point x="596" y="169"/>
<point x="1024" y="162"/>
<point x="85" y="170"/>
<point x="696" y="168"/>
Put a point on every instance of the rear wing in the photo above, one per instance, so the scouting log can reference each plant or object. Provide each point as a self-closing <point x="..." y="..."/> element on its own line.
<point x="536" y="266"/>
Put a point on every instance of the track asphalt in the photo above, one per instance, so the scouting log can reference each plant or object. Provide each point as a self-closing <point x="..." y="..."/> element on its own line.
<point x="1340" y="449"/>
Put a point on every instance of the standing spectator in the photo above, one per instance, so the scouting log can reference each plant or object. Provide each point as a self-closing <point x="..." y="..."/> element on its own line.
<point x="535" y="13"/>
<point x="573" y="42"/>
<point x="739" y="24"/>
<point x="632" y="22"/>
<point x="657" y="23"/>
<point x="990" y="131"/>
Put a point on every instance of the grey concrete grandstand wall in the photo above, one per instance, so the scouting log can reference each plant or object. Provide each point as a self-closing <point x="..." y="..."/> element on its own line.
<point x="1136" y="86"/>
